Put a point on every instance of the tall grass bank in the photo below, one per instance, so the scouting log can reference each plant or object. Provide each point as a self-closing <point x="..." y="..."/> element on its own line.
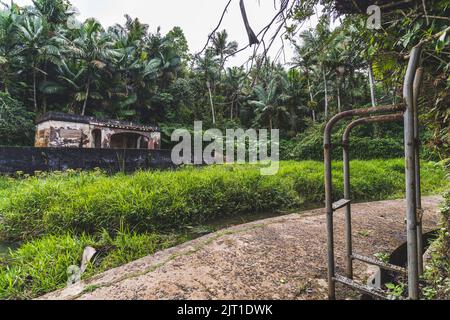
<point x="160" y="201"/>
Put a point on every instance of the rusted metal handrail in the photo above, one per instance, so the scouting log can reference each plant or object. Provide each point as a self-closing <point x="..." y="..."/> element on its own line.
<point x="373" y="119"/>
<point x="329" y="180"/>
<point x="347" y="189"/>
<point x="411" y="90"/>
<point x="359" y="112"/>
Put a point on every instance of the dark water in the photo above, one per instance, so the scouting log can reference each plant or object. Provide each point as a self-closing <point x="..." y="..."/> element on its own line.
<point x="228" y="222"/>
<point x="5" y="247"/>
<point x="206" y="228"/>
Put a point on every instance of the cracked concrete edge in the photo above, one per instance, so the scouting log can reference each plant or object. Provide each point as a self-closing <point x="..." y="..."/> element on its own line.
<point x="160" y="259"/>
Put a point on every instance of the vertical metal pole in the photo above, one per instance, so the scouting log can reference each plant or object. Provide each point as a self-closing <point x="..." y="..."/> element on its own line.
<point x="410" y="162"/>
<point x="329" y="206"/>
<point x="420" y="246"/>
<point x="348" y="212"/>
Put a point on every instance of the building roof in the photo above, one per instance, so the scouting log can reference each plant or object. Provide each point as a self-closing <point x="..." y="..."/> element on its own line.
<point x="109" y="123"/>
<point x="360" y="6"/>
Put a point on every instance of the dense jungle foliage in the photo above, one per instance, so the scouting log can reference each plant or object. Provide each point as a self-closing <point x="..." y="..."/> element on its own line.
<point x="50" y="61"/>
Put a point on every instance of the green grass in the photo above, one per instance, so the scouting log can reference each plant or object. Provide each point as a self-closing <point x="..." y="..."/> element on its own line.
<point x="41" y="266"/>
<point x="126" y="217"/>
<point x="437" y="273"/>
<point x="86" y="203"/>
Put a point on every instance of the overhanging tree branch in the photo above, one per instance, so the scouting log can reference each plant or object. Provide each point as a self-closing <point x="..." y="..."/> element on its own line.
<point x="252" y="38"/>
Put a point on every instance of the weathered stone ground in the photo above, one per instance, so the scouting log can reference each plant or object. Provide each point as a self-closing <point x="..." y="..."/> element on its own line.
<point x="280" y="258"/>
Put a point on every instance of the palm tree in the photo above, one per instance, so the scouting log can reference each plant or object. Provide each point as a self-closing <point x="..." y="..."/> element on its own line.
<point x="69" y="83"/>
<point x="54" y="11"/>
<point x="162" y="49"/>
<point x="95" y="49"/>
<point x="342" y="59"/>
<point x="209" y="69"/>
<point x="306" y="60"/>
<point x="293" y="90"/>
<point x="9" y="51"/>
<point x="36" y="47"/>
<point x="268" y="107"/>
<point x="233" y="82"/>
<point x="222" y="47"/>
<point x="133" y="65"/>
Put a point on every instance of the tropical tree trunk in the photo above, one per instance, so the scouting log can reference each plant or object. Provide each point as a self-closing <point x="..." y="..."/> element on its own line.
<point x="88" y="89"/>
<point x="44" y="103"/>
<point x="312" y="99"/>
<point x="44" y="96"/>
<point x="372" y="86"/>
<point x="232" y="115"/>
<point x="236" y="113"/>
<point x="35" y="89"/>
<point x="352" y="91"/>
<point x="339" y="98"/>
<point x="211" y="102"/>
<point x="293" y="117"/>
<point x="326" y="93"/>
<point x="222" y="63"/>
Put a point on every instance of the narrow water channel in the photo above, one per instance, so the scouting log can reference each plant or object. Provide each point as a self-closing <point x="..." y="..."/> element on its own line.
<point x="5" y="247"/>
<point x="231" y="221"/>
<point x="206" y="228"/>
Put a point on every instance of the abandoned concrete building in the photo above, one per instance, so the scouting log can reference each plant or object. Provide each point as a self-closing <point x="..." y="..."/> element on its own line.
<point x="61" y="130"/>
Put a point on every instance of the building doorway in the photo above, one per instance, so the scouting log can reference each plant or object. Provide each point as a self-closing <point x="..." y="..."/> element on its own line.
<point x="97" y="138"/>
<point x="129" y="141"/>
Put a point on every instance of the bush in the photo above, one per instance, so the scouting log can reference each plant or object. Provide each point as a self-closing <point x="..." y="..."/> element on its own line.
<point x="16" y="124"/>
<point x="379" y="141"/>
<point x="162" y="201"/>
<point x="360" y="149"/>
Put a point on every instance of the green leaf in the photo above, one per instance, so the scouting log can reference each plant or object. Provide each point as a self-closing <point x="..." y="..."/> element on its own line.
<point x="129" y="100"/>
<point x="80" y="96"/>
<point x="152" y="67"/>
<point x="51" y="87"/>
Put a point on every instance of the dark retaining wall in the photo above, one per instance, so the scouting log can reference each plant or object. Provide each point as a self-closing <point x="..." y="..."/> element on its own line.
<point x="29" y="159"/>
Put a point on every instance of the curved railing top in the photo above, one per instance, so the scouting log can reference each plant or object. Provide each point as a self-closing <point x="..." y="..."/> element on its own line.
<point x="372" y="119"/>
<point x="358" y="112"/>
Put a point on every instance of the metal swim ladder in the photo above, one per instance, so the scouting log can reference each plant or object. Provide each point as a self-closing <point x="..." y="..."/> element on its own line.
<point x="408" y="111"/>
